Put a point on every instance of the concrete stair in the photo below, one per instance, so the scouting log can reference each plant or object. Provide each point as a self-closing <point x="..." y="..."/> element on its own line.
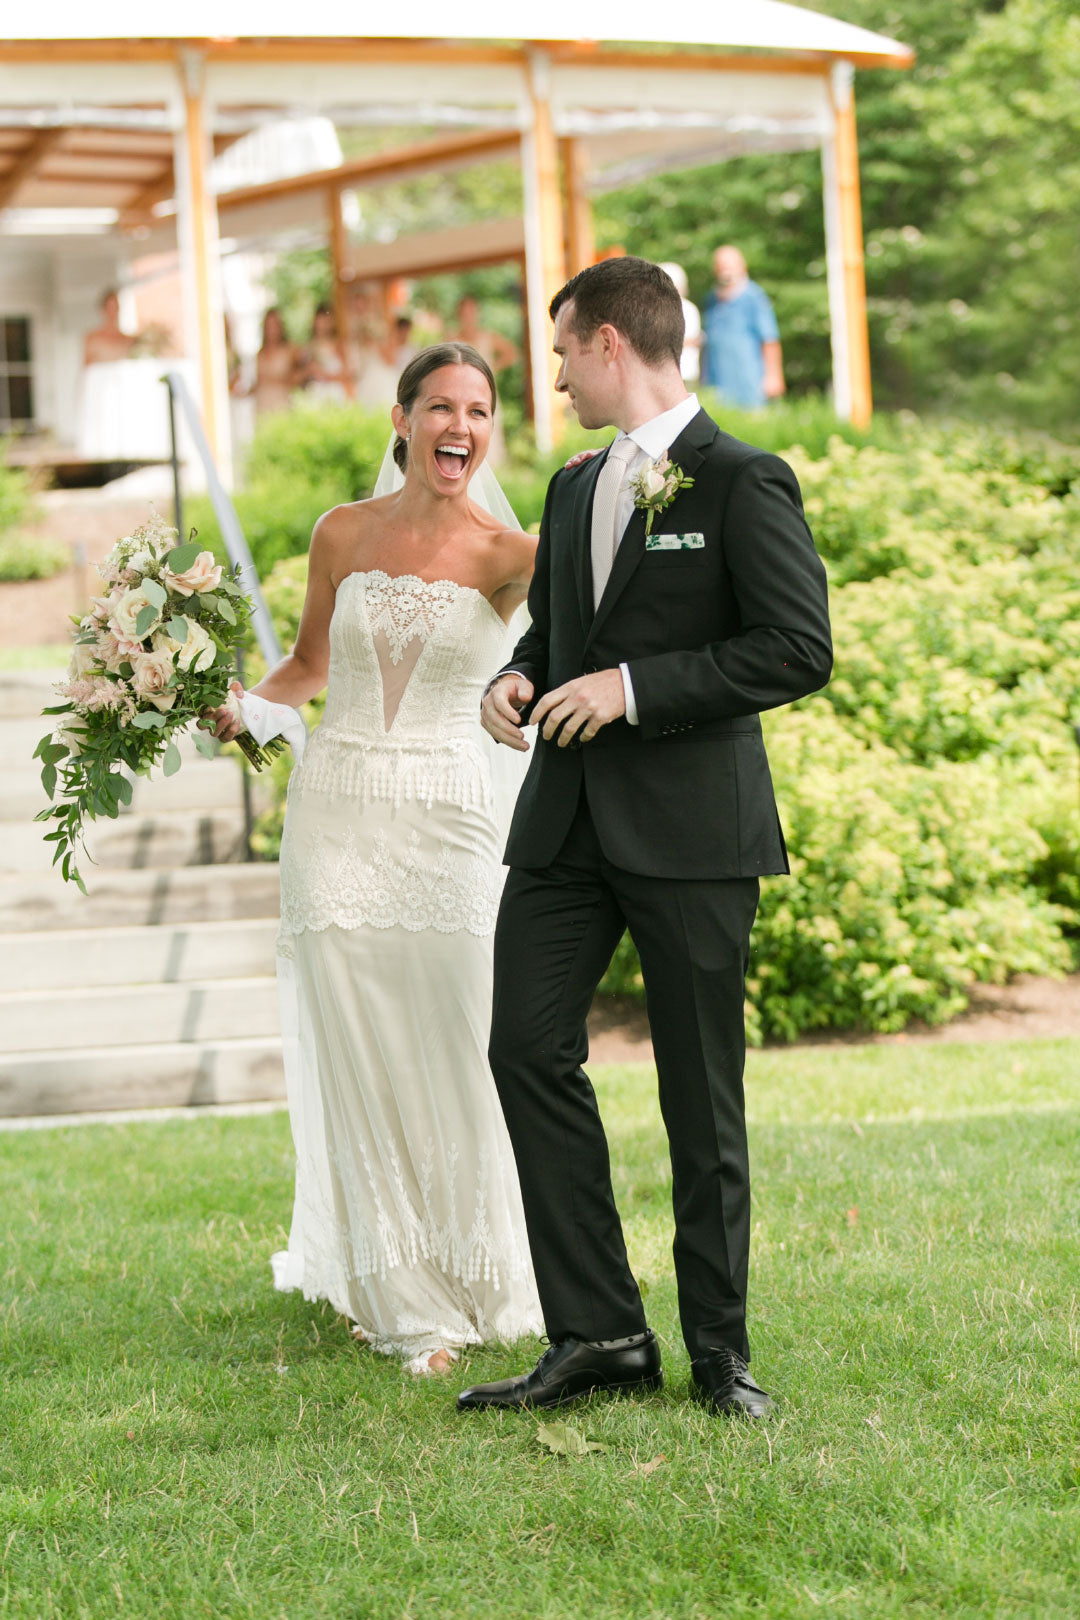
<point x="157" y="988"/>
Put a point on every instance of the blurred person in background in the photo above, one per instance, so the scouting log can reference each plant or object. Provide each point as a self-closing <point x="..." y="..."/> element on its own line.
<point x="690" y="364"/>
<point x="325" y="373"/>
<point x="743" y="361"/>
<point x="277" y="366"/>
<point x="107" y="341"/>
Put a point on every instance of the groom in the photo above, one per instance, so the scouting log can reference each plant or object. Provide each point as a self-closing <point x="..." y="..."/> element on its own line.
<point x="655" y="642"/>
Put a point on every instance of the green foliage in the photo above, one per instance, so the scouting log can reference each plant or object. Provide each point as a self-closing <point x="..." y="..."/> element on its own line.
<point x="970" y="189"/>
<point x="16" y="500"/>
<point x="301" y="463"/>
<point x="24" y="556"/>
<point x="29" y="556"/>
<point x="929" y="793"/>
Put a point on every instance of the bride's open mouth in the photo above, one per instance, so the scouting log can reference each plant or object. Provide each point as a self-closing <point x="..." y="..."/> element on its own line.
<point x="451" y="459"/>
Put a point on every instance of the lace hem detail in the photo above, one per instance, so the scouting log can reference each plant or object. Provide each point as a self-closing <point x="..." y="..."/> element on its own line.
<point x="453" y="772"/>
<point x="338" y="887"/>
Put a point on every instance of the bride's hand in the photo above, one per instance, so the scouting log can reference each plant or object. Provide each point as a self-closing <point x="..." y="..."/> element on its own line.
<point x="582" y="455"/>
<point x="226" y="722"/>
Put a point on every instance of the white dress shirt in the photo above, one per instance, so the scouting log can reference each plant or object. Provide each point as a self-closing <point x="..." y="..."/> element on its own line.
<point x="652" y="439"/>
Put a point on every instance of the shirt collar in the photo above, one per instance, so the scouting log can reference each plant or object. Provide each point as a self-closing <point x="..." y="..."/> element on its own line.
<point x="660" y="434"/>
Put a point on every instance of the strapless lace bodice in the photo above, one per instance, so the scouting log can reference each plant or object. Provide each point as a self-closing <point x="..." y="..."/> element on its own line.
<point x="409" y="659"/>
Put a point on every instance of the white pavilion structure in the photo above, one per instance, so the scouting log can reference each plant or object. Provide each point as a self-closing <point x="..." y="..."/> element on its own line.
<point x="110" y="124"/>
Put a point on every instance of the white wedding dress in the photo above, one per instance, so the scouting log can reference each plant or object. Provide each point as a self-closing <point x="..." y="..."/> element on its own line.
<point x="407" y="1214"/>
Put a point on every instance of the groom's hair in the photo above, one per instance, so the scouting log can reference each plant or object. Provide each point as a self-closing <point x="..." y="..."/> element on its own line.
<point x="634" y="296"/>
<point x="427" y="361"/>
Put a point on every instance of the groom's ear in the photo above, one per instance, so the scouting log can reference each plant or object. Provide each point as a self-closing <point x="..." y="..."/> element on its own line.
<point x="609" y="342"/>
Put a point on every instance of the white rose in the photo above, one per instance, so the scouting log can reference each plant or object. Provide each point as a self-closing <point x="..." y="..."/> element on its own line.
<point x="653" y="482"/>
<point x="126" y="612"/>
<point x="203" y="575"/>
<point x="142" y="562"/>
<point x="151" y="673"/>
<point x="84" y="656"/>
<point x="196" y="651"/>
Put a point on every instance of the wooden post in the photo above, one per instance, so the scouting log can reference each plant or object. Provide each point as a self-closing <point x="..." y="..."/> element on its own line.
<point x="339" y="263"/>
<point x="844" y="254"/>
<point x="580" y="237"/>
<point x="545" y="262"/>
<point x="197" y="236"/>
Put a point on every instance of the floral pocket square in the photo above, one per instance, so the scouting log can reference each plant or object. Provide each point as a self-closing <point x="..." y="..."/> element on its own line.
<point x="674" y="542"/>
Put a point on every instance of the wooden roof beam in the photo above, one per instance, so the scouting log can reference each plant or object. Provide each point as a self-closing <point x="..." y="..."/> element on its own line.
<point x="392" y="165"/>
<point x="27" y="163"/>
<point x="140" y="210"/>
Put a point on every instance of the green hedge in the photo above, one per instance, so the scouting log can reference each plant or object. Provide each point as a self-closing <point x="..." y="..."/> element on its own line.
<point x="930" y="793"/>
<point x="22" y="555"/>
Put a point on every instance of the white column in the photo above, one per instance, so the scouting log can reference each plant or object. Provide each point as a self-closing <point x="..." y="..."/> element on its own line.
<point x="834" y="255"/>
<point x="200" y="267"/>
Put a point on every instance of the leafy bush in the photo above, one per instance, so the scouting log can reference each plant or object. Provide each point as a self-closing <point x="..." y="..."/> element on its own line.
<point x="301" y="463"/>
<point x="16" y="502"/>
<point x="27" y="556"/>
<point x="929" y="794"/>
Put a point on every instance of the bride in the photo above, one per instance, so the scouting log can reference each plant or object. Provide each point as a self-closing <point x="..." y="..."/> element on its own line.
<point x="407" y="1213"/>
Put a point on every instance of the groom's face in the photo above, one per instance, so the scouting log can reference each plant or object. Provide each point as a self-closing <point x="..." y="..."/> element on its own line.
<point x="584" y="373"/>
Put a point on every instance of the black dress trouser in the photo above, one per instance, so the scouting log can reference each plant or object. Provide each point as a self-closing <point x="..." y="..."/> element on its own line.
<point x="558" y="927"/>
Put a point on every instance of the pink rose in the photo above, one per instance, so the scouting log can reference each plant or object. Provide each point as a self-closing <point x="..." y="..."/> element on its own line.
<point x="151" y="673"/>
<point x="202" y="576"/>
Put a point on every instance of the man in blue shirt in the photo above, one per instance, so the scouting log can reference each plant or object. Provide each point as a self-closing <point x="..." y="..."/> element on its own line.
<point x="742" y="361"/>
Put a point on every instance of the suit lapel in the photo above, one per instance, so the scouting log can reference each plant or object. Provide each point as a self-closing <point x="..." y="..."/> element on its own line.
<point x="699" y="432"/>
<point x="581" y="530"/>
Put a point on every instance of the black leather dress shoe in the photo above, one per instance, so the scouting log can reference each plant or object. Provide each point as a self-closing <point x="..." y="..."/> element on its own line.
<point x="722" y="1382"/>
<point x="570" y="1369"/>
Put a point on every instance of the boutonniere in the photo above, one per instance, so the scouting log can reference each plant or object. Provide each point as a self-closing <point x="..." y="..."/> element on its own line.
<point x="656" y="486"/>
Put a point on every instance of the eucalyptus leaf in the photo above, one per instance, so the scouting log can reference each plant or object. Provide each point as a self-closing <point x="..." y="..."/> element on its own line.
<point x="205" y="744"/>
<point x="147" y="616"/>
<point x="563" y="1440"/>
<point x="182" y="557"/>
<point x="209" y="600"/>
<point x="153" y="592"/>
<point x="52" y="752"/>
<point x="225" y="609"/>
<point x="171" y="762"/>
<point x="124" y="789"/>
<point x="148" y="720"/>
<point x="48" y="779"/>
<point x="177" y="628"/>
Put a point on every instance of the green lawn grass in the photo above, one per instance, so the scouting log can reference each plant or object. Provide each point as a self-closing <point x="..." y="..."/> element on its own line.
<point x="180" y="1441"/>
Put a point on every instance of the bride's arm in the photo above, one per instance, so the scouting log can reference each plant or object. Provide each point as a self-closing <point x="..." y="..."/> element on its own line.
<point x="302" y="674"/>
<point x="520" y="555"/>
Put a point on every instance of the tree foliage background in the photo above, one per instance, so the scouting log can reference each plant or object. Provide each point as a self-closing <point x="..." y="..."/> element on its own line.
<point x="970" y="165"/>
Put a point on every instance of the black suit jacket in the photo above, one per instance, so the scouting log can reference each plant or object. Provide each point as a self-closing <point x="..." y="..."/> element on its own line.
<point x="711" y="635"/>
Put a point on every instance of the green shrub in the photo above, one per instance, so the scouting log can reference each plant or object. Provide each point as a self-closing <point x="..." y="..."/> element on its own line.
<point x="28" y="556"/>
<point x="16" y="501"/>
<point x="930" y="793"/>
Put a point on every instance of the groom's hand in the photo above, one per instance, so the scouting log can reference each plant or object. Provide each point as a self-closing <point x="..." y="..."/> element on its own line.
<point x="578" y="709"/>
<point x="500" y="710"/>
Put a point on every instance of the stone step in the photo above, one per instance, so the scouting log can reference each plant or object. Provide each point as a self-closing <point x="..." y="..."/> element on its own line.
<point x="177" y="1074"/>
<point x="168" y="838"/>
<point x="200" y="784"/>
<point x="154" y="896"/>
<point x="169" y="954"/>
<point x="25" y="692"/>
<point x="126" y="1015"/>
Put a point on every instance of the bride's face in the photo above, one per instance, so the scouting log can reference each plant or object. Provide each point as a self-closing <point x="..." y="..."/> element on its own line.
<point x="448" y="428"/>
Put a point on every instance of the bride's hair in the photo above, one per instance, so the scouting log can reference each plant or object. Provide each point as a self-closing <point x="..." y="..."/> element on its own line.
<point x="428" y="360"/>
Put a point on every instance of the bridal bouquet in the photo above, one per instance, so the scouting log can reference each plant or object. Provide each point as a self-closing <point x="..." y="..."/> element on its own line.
<point x="151" y="656"/>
